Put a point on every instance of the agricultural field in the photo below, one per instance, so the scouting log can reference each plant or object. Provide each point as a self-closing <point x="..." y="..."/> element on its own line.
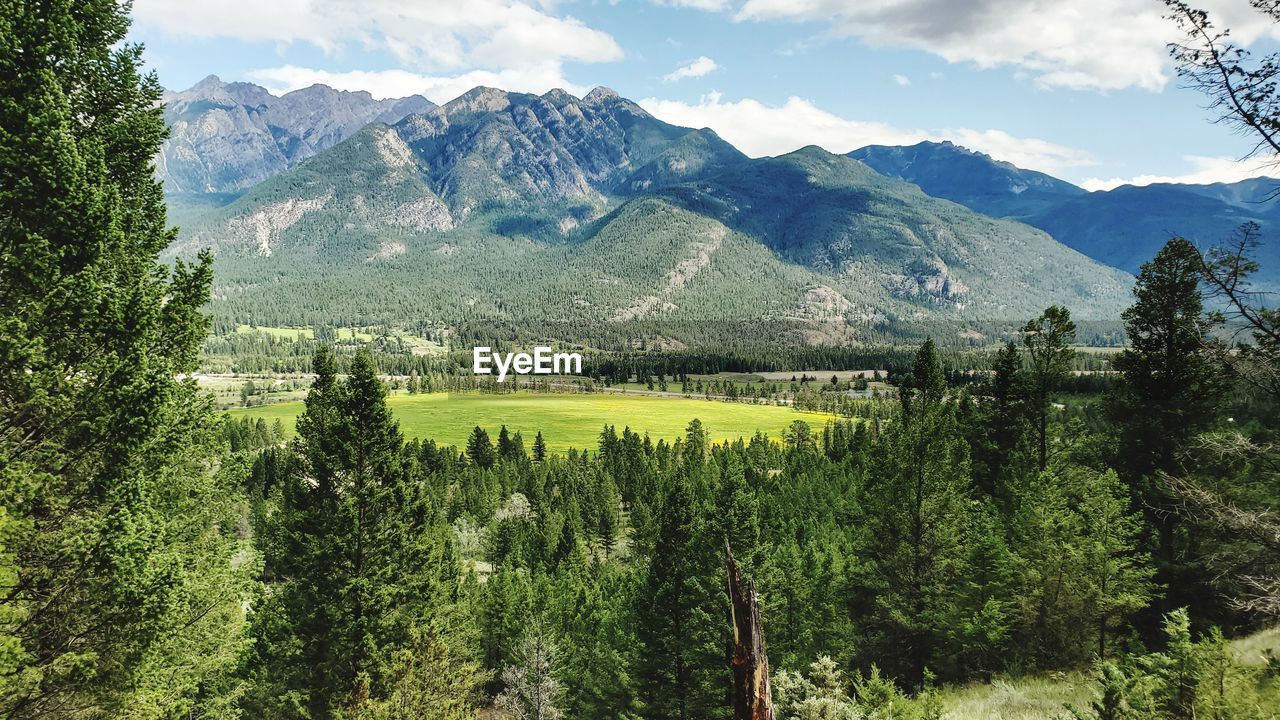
<point x="565" y="420"/>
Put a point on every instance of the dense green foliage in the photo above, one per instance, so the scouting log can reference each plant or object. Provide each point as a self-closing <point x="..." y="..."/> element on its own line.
<point x="122" y="568"/>
<point x="888" y="558"/>
<point x="982" y="528"/>
<point x="359" y="568"/>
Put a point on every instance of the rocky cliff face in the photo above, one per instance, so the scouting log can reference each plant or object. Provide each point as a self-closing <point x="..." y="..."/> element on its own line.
<point x="490" y="147"/>
<point x="228" y="137"/>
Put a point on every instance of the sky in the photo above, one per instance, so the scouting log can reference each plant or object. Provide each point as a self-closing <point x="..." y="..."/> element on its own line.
<point x="1081" y="89"/>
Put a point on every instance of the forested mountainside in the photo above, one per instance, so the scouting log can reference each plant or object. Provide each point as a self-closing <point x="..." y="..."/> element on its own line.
<point x="514" y="207"/>
<point x="1122" y="228"/>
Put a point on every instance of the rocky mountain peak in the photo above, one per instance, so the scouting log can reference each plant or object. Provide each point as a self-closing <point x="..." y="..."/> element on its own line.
<point x="227" y="137"/>
<point x="209" y="82"/>
<point x="559" y="97"/>
<point x="600" y="94"/>
<point x="479" y="99"/>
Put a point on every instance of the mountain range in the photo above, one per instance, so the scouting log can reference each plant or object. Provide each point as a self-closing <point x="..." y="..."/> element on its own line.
<point x="1123" y="227"/>
<point x="227" y="137"/>
<point x="522" y="211"/>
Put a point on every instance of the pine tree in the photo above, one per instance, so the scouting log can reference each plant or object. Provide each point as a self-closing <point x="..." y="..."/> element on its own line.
<point x="510" y="448"/>
<point x="539" y="448"/>
<point x="1048" y="341"/>
<point x="428" y="673"/>
<point x="1170" y="388"/>
<point x="918" y="506"/>
<point x="1001" y="449"/>
<point x="531" y="689"/>
<point x="106" y="503"/>
<point x="609" y="515"/>
<point x="592" y="609"/>
<point x="738" y="512"/>
<point x="374" y="485"/>
<point x="1117" y="574"/>
<point x="358" y="566"/>
<point x="681" y="664"/>
<point x="695" y="443"/>
<point x="1169" y="393"/>
<point x="480" y="449"/>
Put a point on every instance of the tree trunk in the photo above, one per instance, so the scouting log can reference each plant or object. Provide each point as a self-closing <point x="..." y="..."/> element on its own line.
<point x="752" y="699"/>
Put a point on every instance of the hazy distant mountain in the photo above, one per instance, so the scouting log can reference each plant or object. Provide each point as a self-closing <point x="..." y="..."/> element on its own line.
<point x="1254" y="195"/>
<point x="975" y="180"/>
<point x="228" y="137"/>
<point x="1123" y="227"/>
<point x="519" y="208"/>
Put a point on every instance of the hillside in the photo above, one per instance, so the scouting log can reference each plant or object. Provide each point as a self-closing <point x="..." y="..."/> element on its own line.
<point x="838" y="217"/>
<point x="1126" y="226"/>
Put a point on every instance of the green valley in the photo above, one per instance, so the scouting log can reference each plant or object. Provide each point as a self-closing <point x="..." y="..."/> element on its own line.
<point x="840" y="440"/>
<point x="566" y="420"/>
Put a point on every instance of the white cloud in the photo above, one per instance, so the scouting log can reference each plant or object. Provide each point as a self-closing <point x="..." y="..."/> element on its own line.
<point x="697" y="4"/>
<point x="1082" y="44"/>
<point x="424" y="34"/>
<point x="697" y="68"/>
<point x="902" y="80"/>
<point x="758" y="129"/>
<point x="399" y="83"/>
<point x="1203" y="171"/>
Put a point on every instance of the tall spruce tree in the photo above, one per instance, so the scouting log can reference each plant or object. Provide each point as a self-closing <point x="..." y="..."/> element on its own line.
<point x="1048" y="340"/>
<point x="1169" y="393"/>
<point x="918" y="505"/>
<point x="1001" y="443"/>
<point x="295" y="652"/>
<point x="1170" y="386"/>
<point x="480" y="448"/>
<point x="103" y="489"/>
<point x="361" y="567"/>
<point x="681" y="661"/>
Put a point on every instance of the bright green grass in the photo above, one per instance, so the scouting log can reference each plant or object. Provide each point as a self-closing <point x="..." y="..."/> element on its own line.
<point x="345" y="333"/>
<point x="283" y="333"/>
<point x="566" y="420"/>
<point x="1046" y="697"/>
<point x="297" y="333"/>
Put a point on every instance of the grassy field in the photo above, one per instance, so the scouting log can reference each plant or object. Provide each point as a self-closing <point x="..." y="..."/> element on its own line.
<point x="565" y="420"/>
<point x="413" y="343"/>
<point x="1046" y="697"/>
<point x="281" y="333"/>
